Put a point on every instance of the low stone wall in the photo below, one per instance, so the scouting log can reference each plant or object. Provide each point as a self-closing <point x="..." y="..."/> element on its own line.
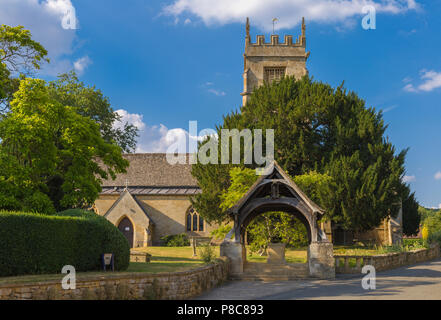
<point x="385" y="261"/>
<point x="178" y="285"/>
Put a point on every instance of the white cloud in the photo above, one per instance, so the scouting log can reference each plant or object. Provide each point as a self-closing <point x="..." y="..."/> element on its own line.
<point x="218" y="93"/>
<point x="408" y="179"/>
<point x="81" y="65"/>
<point x="390" y="108"/>
<point x="157" y="138"/>
<point x="409" y="88"/>
<point x="209" y="87"/>
<point x="431" y="81"/>
<point x="131" y="118"/>
<point x="438" y="175"/>
<point x="44" y="20"/>
<point x="289" y="12"/>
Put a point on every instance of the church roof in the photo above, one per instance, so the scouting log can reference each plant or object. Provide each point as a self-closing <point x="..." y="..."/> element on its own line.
<point x="152" y="171"/>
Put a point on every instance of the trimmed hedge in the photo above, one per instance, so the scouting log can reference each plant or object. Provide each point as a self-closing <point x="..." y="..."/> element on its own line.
<point x="33" y="243"/>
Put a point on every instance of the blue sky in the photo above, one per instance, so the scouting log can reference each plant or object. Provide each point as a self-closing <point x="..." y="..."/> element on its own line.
<point x="164" y="63"/>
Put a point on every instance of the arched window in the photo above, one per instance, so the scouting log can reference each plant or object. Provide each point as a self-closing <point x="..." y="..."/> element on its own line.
<point x="188" y="222"/>
<point x="201" y="224"/>
<point x="193" y="221"/>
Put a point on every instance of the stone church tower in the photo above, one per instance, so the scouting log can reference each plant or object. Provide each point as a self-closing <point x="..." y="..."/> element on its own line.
<point x="266" y="62"/>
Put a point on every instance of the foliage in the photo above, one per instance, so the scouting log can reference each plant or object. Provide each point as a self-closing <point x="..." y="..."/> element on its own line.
<point x="241" y="181"/>
<point x="49" y="149"/>
<point x="44" y="244"/>
<point x="322" y="129"/>
<point x="427" y="212"/>
<point x="176" y="240"/>
<point x="433" y="223"/>
<point x="317" y="186"/>
<point x="207" y="253"/>
<point x="413" y="244"/>
<point x="221" y="232"/>
<point x="91" y="103"/>
<point x="18" y="54"/>
<point x="411" y="215"/>
<point x="274" y="227"/>
<point x="435" y="237"/>
<point x="425" y="233"/>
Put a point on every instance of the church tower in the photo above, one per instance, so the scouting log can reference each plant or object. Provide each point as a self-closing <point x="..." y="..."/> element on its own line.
<point x="266" y="62"/>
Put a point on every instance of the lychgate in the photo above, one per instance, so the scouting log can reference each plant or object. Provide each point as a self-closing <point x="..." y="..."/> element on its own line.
<point x="277" y="192"/>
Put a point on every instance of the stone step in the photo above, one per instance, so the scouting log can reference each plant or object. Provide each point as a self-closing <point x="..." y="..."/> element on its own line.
<point x="285" y="269"/>
<point x="268" y="278"/>
<point x="273" y="272"/>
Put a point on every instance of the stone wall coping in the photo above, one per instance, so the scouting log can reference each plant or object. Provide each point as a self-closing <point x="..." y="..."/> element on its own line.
<point x="125" y="276"/>
<point x="391" y="254"/>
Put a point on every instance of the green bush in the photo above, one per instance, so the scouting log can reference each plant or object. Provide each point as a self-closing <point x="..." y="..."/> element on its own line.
<point x="37" y="244"/>
<point x="435" y="237"/>
<point x="207" y="253"/>
<point x="176" y="240"/>
<point x="221" y="232"/>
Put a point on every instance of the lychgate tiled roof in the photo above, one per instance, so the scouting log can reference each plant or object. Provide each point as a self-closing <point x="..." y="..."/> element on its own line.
<point x="151" y="170"/>
<point x="152" y="190"/>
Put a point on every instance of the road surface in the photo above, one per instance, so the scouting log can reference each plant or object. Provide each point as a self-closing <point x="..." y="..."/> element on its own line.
<point x="417" y="282"/>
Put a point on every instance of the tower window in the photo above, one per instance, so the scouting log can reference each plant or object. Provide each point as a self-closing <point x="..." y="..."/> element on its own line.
<point x="273" y="74"/>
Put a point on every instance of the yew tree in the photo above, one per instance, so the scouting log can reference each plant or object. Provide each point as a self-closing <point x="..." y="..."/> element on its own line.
<point x="326" y="130"/>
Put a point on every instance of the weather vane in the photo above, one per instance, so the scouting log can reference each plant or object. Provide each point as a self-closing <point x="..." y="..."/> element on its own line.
<point x="274" y="21"/>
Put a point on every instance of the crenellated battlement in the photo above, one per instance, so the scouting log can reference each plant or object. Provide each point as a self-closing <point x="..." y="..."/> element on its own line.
<point x="275" y="41"/>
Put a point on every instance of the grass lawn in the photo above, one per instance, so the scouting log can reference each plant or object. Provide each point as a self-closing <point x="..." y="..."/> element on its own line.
<point x="355" y="251"/>
<point x="164" y="259"/>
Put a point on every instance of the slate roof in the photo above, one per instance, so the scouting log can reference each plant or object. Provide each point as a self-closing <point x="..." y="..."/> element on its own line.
<point x="152" y="190"/>
<point x="150" y="173"/>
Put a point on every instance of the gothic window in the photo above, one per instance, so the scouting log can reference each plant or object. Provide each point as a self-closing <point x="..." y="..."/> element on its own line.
<point x="188" y="222"/>
<point x="201" y="224"/>
<point x="273" y="73"/>
<point x="194" y="221"/>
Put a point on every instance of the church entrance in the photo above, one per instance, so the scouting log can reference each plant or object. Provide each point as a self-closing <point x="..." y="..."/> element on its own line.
<point x="126" y="227"/>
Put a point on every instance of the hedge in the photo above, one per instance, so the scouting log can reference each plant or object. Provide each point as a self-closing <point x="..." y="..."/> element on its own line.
<point x="33" y="243"/>
<point x="176" y="240"/>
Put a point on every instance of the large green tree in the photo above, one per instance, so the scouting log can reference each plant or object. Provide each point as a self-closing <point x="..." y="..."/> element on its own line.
<point x="19" y="53"/>
<point x="52" y="154"/>
<point x="90" y="102"/>
<point x="325" y="129"/>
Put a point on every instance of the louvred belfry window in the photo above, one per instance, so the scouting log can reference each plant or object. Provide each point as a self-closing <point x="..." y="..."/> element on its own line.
<point x="274" y="73"/>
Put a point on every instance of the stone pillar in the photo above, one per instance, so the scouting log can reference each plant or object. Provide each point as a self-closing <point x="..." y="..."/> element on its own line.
<point x="276" y="253"/>
<point x="236" y="252"/>
<point x="321" y="260"/>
